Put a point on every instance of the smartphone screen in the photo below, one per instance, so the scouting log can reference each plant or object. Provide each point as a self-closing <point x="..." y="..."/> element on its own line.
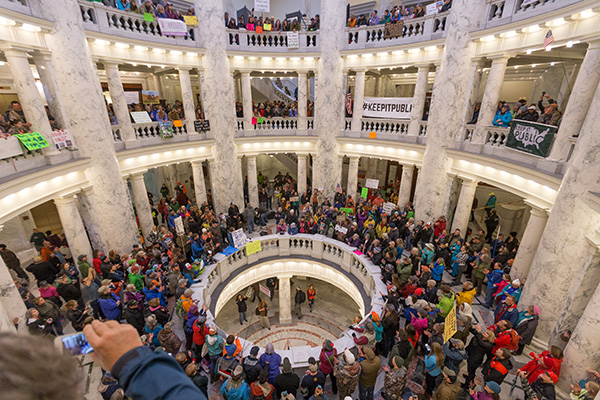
<point x="76" y="344"/>
<point x="427" y="347"/>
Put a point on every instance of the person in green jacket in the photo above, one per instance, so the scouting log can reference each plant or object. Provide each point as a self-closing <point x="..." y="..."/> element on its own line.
<point x="491" y="204"/>
<point x="84" y="266"/>
<point x="481" y="267"/>
<point x="446" y="301"/>
<point x="136" y="279"/>
<point x="404" y="269"/>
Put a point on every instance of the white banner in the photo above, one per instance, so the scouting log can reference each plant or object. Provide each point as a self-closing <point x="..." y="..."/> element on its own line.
<point x="293" y="41"/>
<point x="132" y="97"/>
<point x="388" y="208"/>
<point x="140" y="117"/>
<point x="434" y="8"/>
<point x="239" y="238"/>
<point x="339" y="228"/>
<point x="172" y="27"/>
<point x="387" y="107"/>
<point x="262" y="6"/>
<point x="372" y="183"/>
<point x="10" y="147"/>
<point x="179" y="226"/>
<point x="62" y="139"/>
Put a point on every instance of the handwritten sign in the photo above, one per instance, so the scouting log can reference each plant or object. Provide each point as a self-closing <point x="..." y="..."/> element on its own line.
<point x="293" y="40"/>
<point x="348" y="211"/>
<point x="140" y="117"/>
<point x="239" y="238"/>
<point x="179" y="226"/>
<point x="267" y="27"/>
<point x="190" y="19"/>
<point x="132" y="97"/>
<point x="201" y="126"/>
<point x="450" y="324"/>
<point x="393" y="29"/>
<point x="388" y="208"/>
<point x="265" y="290"/>
<point x="261" y="6"/>
<point x="253" y="247"/>
<point x="364" y="193"/>
<point x="341" y="229"/>
<point x="372" y="183"/>
<point x="172" y="27"/>
<point x="62" y="139"/>
<point x="33" y="141"/>
<point x="10" y="147"/>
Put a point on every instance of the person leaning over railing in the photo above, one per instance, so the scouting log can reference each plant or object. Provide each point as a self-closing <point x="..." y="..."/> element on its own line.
<point x="503" y="116"/>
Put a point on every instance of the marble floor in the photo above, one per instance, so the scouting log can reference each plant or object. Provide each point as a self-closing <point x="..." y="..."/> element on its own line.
<point x="332" y="314"/>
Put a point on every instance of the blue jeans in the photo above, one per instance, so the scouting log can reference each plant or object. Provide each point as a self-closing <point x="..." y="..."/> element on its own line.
<point x="250" y="225"/>
<point x="242" y="317"/>
<point x="489" y="296"/>
<point x="364" y="392"/>
<point x="265" y="218"/>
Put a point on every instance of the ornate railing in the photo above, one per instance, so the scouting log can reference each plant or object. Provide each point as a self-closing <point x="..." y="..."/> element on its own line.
<point x="496" y="136"/>
<point x="396" y="126"/>
<point x="240" y="39"/>
<point x="277" y="123"/>
<point x="501" y="12"/>
<point x="147" y="130"/>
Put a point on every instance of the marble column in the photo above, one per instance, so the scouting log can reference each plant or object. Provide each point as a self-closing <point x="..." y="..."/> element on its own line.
<point x="418" y="105"/>
<point x="529" y="242"/>
<point x="156" y="84"/>
<point x="119" y="102"/>
<point x="218" y="90"/>
<point x="329" y="97"/>
<point x="343" y="94"/>
<point x="187" y="97"/>
<point x="352" y="187"/>
<point x="463" y="207"/>
<point x="405" y="184"/>
<point x="579" y="102"/>
<point x="570" y="220"/>
<point x="302" y="111"/>
<point x="6" y="325"/>
<point x="567" y="85"/>
<point x="252" y="180"/>
<point x="47" y="77"/>
<point x="491" y="96"/>
<point x="10" y="298"/>
<point x="72" y="225"/>
<point x="90" y="127"/>
<point x="142" y="205"/>
<point x="285" y="300"/>
<point x="583" y="350"/>
<point x="452" y="194"/>
<point x="475" y="76"/>
<point x="302" y="172"/>
<point x="247" y="101"/>
<point x="359" y="99"/>
<point x="447" y="106"/>
<point x="87" y="210"/>
<point x="199" y="184"/>
<point x="29" y="96"/>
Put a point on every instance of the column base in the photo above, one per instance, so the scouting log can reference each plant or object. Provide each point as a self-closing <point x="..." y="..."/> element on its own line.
<point x="354" y="134"/>
<point x="58" y="157"/>
<point x="473" y="147"/>
<point x="285" y="321"/>
<point x="132" y="144"/>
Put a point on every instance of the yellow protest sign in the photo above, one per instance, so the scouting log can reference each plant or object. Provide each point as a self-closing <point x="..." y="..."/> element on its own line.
<point x="450" y="324"/>
<point x="190" y="19"/>
<point x="252" y="247"/>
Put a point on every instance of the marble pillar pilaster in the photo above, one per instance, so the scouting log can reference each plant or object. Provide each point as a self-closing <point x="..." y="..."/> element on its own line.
<point x="218" y="94"/>
<point x="10" y="299"/>
<point x="463" y="207"/>
<point x="579" y="103"/>
<point x="448" y="102"/>
<point x="119" y="102"/>
<point x="187" y="97"/>
<point x="344" y="92"/>
<point x="530" y="241"/>
<point x="353" y="176"/>
<point x="359" y="99"/>
<point x="405" y="184"/>
<point x="302" y="172"/>
<point x="452" y="193"/>
<point x="87" y="210"/>
<point x="140" y="200"/>
<point x="156" y="84"/>
<point x="199" y="184"/>
<point x="45" y="69"/>
<point x="302" y="110"/>
<point x="475" y="77"/>
<point x="285" y="300"/>
<point x="72" y="225"/>
<point x="340" y="171"/>
<point x="570" y="220"/>
<point x="489" y="103"/>
<point x="252" y="180"/>
<point x="6" y="324"/>
<point x="29" y="96"/>
<point x="418" y="105"/>
<point x="329" y="101"/>
<point x="90" y="127"/>
<point x="247" y="101"/>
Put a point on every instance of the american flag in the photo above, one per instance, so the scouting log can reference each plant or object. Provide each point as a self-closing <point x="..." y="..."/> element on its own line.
<point x="549" y="38"/>
<point x="349" y="102"/>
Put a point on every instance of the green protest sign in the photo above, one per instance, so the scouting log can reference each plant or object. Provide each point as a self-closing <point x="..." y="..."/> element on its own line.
<point x="32" y="141"/>
<point x="364" y="193"/>
<point x="348" y="211"/>
<point x="166" y="129"/>
<point x="531" y="138"/>
<point x="148" y="17"/>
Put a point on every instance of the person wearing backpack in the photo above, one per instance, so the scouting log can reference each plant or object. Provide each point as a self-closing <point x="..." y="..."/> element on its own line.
<point x="506" y="336"/>
<point x="298" y="300"/>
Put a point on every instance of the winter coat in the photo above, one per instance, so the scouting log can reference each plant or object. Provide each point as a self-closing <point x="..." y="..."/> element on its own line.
<point x="446" y="303"/>
<point x="453" y="357"/>
<point x="369" y="368"/>
<point x="214" y="343"/>
<point x="326" y="358"/>
<point x="405" y="350"/>
<point x="503" y="312"/>
<point x="496" y="369"/>
<point x="109" y="306"/>
<point x="437" y="272"/>
<point x="241" y="393"/>
<point x="162" y="315"/>
<point x="447" y="391"/>
<point x="347" y="376"/>
<point x="286" y="382"/>
<point x="526" y="327"/>
<point x="394" y="382"/>
<point x="252" y="368"/>
<point x="504" y="119"/>
<point x="465" y="296"/>
<point x="478" y="348"/>
<point x="404" y="271"/>
<point x="273" y="360"/>
<point x="135" y="318"/>
<point x="169" y="341"/>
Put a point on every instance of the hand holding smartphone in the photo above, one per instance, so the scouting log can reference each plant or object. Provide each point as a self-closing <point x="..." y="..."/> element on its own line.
<point x="75" y="344"/>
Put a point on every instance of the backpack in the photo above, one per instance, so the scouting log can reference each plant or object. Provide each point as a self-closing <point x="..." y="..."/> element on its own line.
<point x="256" y="311"/>
<point x="179" y="310"/>
<point x="302" y="297"/>
<point x="514" y="340"/>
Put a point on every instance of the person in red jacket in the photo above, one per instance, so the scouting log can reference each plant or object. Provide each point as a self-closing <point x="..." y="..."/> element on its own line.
<point x="327" y="356"/>
<point x="199" y="337"/>
<point x="538" y="366"/>
<point x="506" y="336"/>
<point x="553" y="356"/>
<point x="439" y="226"/>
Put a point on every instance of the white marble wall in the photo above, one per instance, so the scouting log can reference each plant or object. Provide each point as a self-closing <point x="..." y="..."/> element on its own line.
<point x="475" y="76"/>
<point x="187" y="97"/>
<point x="14" y="236"/>
<point x="140" y="200"/>
<point x="302" y="98"/>
<point x="10" y="298"/>
<point x="6" y="324"/>
<point x="302" y="173"/>
<point x="579" y="102"/>
<point x="199" y="183"/>
<point x="218" y="93"/>
<point x="82" y="94"/>
<point x="359" y="99"/>
<point x="418" y="107"/>
<point x="352" y="187"/>
<point x="529" y="242"/>
<point x="119" y="102"/>
<point x="562" y="249"/>
<point x="90" y="218"/>
<point x="447" y="106"/>
<point x="329" y="98"/>
<point x="252" y="181"/>
<point x="247" y="101"/>
<point x="285" y="300"/>
<point x="491" y="96"/>
<point x="72" y="225"/>
<point x="463" y="208"/>
<point x="45" y="69"/>
<point x="405" y="184"/>
<point x="29" y="96"/>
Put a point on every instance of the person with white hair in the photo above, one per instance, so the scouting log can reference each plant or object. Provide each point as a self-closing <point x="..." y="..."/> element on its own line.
<point x="346" y="371"/>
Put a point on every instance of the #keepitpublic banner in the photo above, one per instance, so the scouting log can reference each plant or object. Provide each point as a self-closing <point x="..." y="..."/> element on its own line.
<point x="387" y="107"/>
<point x="531" y="138"/>
<point x="172" y="27"/>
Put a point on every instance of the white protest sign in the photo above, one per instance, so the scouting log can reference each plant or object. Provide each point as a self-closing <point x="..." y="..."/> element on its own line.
<point x="388" y="107"/>
<point x="388" y="208"/>
<point x="434" y="7"/>
<point x="140" y="117"/>
<point x="10" y="147"/>
<point x="293" y="40"/>
<point x="372" y="183"/>
<point x="132" y="97"/>
<point x="341" y="229"/>
<point x="262" y="6"/>
<point x="62" y="139"/>
<point x="265" y="290"/>
<point x="239" y="238"/>
<point x="179" y="226"/>
<point x="172" y="27"/>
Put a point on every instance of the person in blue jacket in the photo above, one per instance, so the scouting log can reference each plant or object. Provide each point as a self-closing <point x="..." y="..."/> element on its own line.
<point x="438" y="270"/>
<point x="513" y="289"/>
<point x="153" y="292"/>
<point x="293" y="230"/>
<point x="503" y="116"/>
<point x="270" y="361"/>
<point x="235" y="388"/>
<point x="109" y="303"/>
<point x="494" y="278"/>
<point x="142" y="373"/>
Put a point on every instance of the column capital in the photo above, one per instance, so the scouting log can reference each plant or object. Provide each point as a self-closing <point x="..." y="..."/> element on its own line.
<point x="245" y="73"/>
<point x="361" y="71"/>
<point x="41" y="55"/>
<point x="500" y="58"/>
<point x="285" y="276"/>
<point x="184" y="69"/>
<point x="65" y="199"/>
<point x="197" y="162"/>
<point x="302" y="73"/>
<point x="15" y="51"/>
<point x="593" y="44"/>
<point x="110" y="64"/>
<point x="408" y="167"/>
<point x="593" y="240"/>
<point x="424" y="66"/>
<point x="477" y="61"/>
<point x="139" y="174"/>
<point x="302" y="154"/>
<point x="353" y="157"/>
<point x="469" y="181"/>
<point x="537" y="210"/>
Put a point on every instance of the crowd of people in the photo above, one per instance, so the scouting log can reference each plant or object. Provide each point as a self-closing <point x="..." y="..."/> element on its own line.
<point x="251" y="22"/>
<point x="274" y="109"/>
<point x="158" y="8"/>
<point x="397" y="13"/>
<point x="13" y="122"/>
<point x="427" y="271"/>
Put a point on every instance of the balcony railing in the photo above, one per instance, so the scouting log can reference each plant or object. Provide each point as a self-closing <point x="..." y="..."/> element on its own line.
<point x="500" y="12"/>
<point x="243" y="40"/>
<point x="395" y="126"/>
<point x="278" y="123"/>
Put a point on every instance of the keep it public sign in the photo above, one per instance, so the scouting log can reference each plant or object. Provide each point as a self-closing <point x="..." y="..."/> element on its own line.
<point x="531" y="138"/>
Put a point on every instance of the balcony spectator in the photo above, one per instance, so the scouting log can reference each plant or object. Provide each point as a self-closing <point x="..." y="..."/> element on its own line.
<point x="352" y="21"/>
<point x="295" y="27"/>
<point x="123" y="5"/>
<point x="147" y="8"/>
<point x="109" y="3"/>
<point x="374" y="20"/>
<point x="232" y="24"/>
<point x="387" y="17"/>
<point x="446" y="6"/>
<point x="362" y="21"/>
<point x="133" y="7"/>
<point x="531" y="115"/>
<point x="316" y="25"/>
<point x="226" y="18"/>
<point x="396" y="16"/>
<point x="285" y="26"/>
<point x="15" y="112"/>
<point x="304" y="22"/>
<point x="160" y="12"/>
<point x="475" y="113"/>
<point x="241" y="23"/>
<point x="503" y="116"/>
<point x="172" y="13"/>
<point x="551" y="115"/>
<point x="419" y="11"/>
<point x="277" y="26"/>
<point x="17" y="127"/>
